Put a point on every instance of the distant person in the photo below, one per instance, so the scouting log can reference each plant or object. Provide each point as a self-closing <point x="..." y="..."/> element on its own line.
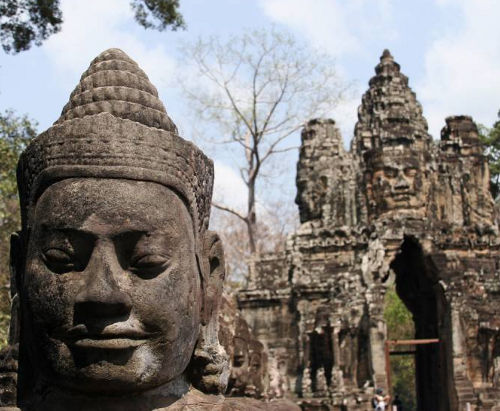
<point x="380" y="400"/>
<point x="397" y="402"/>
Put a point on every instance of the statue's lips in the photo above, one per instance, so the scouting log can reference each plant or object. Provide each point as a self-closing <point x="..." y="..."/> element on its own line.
<point x="402" y="196"/>
<point x="119" y="342"/>
<point x="113" y="338"/>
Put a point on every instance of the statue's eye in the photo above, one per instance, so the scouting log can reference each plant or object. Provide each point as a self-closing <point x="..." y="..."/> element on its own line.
<point x="58" y="260"/>
<point x="149" y="265"/>
<point x="390" y="172"/>
<point x="410" y="172"/>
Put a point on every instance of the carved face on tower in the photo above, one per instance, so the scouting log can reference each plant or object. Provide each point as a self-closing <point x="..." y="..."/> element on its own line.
<point x="118" y="277"/>
<point x="396" y="181"/>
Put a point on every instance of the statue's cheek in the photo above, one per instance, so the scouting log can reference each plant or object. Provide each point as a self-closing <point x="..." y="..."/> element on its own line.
<point x="50" y="295"/>
<point x="168" y="301"/>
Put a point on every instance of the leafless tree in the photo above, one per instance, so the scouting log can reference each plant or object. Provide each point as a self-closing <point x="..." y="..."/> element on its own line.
<point x="255" y="91"/>
<point x="275" y="222"/>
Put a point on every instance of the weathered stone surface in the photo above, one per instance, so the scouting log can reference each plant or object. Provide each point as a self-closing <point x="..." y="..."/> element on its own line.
<point x="8" y="375"/>
<point x="116" y="280"/>
<point x="397" y="209"/>
<point x="201" y="402"/>
<point x="248" y="361"/>
<point x="319" y="185"/>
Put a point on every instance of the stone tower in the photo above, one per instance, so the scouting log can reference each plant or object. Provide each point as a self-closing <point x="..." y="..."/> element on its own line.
<point x="325" y="192"/>
<point x="397" y="210"/>
<point x="392" y="142"/>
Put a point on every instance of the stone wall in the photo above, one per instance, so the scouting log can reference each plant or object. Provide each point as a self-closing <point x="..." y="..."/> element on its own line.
<point x="397" y="209"/>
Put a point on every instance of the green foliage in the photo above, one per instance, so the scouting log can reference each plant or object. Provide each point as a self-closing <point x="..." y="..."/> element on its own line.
<point x="400" y="326"/>
<point x="398" y="319"/>
<point x="403" y="381"/>
<point x="15" y="132"/>
<point x="27" y="22"/>
<point x="164" y="12"/>
<point x="491" y="140"/>
<point x="24" y="23"/>
<point x="4" y="329"/>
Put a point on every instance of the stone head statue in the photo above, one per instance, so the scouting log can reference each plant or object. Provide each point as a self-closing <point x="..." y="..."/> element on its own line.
<point x="117" y="275"/>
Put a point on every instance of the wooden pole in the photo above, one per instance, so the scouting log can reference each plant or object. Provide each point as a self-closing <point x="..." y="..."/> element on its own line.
<point x="387" y="351"/>
<point x="388" y="367"/>
<point x="413" y="342"/>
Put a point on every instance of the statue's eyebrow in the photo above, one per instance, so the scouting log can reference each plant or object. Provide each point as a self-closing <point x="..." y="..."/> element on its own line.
<point x="68" y="231"/>
<point x="129" y="234"/>
<point x="72" y="231"/>
<point x="61" y="228"/>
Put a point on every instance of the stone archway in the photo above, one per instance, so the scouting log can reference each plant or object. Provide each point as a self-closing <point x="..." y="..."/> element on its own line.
<point x="417" y="286"/>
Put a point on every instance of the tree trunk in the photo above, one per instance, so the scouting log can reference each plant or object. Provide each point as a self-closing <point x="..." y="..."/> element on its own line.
<point x="251" y="218"/>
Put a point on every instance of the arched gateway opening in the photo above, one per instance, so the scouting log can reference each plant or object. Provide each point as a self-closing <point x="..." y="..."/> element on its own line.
<point x="417" y="286"/>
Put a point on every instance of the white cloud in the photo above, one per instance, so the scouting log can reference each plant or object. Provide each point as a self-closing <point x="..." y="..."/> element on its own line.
<point x="339" y="27"/>
<point x="93" y="26"/>
<point x="316" y="20"/>
<point x="229" y="188"/>
<point x="461" y="69"/>
<point x="462" y="74"/>
<point x="346" y="115"/>
<point x="343" y="29"/>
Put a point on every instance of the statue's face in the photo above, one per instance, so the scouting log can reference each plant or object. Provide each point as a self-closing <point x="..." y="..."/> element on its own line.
<point x="240" y="352"/>
<point x="396" y="183"/>
<point x="111" y="287"/>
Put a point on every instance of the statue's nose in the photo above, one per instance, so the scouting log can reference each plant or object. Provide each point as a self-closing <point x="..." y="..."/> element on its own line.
<point x="101" y="297"/>
<point x="401" y="183"/>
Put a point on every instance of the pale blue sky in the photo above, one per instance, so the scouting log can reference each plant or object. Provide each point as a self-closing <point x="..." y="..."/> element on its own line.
<point x="450" y="49"/>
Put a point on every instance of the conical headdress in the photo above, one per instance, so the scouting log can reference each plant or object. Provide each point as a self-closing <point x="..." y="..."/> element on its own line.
<point x="114" y="126"/>
<point x="115" y="84"/>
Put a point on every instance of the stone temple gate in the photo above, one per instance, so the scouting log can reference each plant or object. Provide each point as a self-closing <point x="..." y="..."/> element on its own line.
<point x="401" y="209"/>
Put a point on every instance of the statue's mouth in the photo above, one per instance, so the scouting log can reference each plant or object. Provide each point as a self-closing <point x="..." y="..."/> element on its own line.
<point x="108" y="343"/>
<point x="402" y="195"/>
<point x="111" y="337"/>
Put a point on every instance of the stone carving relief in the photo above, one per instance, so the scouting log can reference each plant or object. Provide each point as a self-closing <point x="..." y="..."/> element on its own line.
<point x="396" y="210"/>
<point x="118" y="279"/>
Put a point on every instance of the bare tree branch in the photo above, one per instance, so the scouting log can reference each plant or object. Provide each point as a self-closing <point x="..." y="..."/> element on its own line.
<point x="274" y="106"/>
<point x="236" y="108"/>
<point x="271" y="150"/>
<point x="284" y="150"/>
<point x="262" y="88"/>
<point x="229" y="210"/>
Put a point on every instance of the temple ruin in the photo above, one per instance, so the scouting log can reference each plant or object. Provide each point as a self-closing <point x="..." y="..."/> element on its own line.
<point x="398" y="208"/>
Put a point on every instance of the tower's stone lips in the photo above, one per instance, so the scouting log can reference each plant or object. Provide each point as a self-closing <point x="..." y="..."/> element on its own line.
<point x="114" y="126"/>
<point x="115" y="84"/>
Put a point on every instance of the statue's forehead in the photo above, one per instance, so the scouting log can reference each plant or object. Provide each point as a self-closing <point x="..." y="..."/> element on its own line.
<point x="89" y="203"/>
<point x="396" y="160"/>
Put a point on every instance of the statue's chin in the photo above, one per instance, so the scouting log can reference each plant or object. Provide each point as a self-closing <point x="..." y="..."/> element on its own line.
<point x="99" y="368"/>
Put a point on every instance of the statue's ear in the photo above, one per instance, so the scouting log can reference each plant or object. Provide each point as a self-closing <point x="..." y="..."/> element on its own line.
<point x="16" y="274"/>
<point x="215" y="272"/>
<point x="16" y="262"/>
<point x="209" y="367"/>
